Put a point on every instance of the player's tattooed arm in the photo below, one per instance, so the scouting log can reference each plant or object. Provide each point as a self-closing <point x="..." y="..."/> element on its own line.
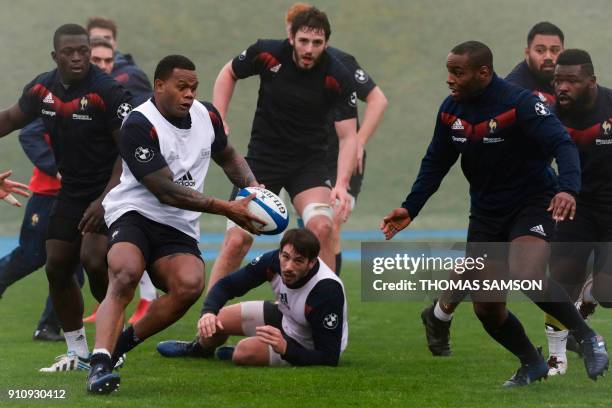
<point x="161" y="184"/>
<point x="235" y="167"/>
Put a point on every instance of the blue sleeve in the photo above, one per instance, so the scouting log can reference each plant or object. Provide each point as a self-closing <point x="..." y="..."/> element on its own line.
<point x="539" y="123"/>
<point x="33" y="143"/>
<point x="118" y="102"/>
<point x="325" y="305"/>
<point x="138" y="85"/>
<point x="362" y="81"/>
<point x="238" y="283"/>
<point x="29" y="102"/>
<point x="440" y="157"/>
<point x="139" y="146"/>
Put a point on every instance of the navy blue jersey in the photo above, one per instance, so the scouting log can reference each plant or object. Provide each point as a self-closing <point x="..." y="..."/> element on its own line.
<point x="522" y="76"/>
<point x="325" y="299"/>
<point x="592" y="133"/>
<point x="132" y="78"/>
<point x="80" y="120"/>
<point x="505" y="137"/>
<point x="363" y="84"/>
<point x="293" y="104"/>
<point x="138" y="132"/>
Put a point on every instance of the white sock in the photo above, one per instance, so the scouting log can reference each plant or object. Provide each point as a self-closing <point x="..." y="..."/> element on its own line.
<point x="557" y="341"/>
<point x="147" y="290"/>
<point x="77" y="342"/>
<point x="101" y="351"/>
<point x="441" y="315"/>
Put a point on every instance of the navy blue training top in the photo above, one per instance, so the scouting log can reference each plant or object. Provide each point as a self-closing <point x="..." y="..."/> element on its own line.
<point x="505" y="137"/>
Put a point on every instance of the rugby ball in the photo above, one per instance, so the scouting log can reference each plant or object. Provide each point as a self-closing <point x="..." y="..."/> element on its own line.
<point x="267" y="206"/>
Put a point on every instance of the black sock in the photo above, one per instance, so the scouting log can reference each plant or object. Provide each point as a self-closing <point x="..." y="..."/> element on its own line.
<point x="338" y="263"/>
<point x="512" y="336"/>
<point x="556" y="303"/>
<point x="100" y="358"/>
<point x="127" y="341"/>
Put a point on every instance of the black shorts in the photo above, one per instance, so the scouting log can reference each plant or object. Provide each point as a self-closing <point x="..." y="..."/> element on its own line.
<point x="64" y="220"/>
<point x="531" y="219"/>
<point x="295" y="176"/>
<point x="356" y="179"/>
<point x="154" y="240"/>
<point x="590" y="232"/>
<point x="272" y="316"/>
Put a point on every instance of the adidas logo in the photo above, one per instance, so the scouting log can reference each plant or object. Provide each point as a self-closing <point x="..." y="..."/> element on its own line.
<point x="457" y="125"/>
<point x="275" y="68"/>
<point x="49" y="99"/>
<point x="538" y="229"/>
<point x="186" y="181"/>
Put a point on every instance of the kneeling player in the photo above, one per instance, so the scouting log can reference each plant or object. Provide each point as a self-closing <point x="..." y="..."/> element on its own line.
<point x="306" y="326"/>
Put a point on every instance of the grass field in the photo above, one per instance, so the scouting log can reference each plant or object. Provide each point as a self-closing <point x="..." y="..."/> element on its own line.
<point x="386" y="364"/>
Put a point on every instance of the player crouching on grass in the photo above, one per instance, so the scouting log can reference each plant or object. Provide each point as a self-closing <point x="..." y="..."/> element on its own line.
<point x="306" y="326"/>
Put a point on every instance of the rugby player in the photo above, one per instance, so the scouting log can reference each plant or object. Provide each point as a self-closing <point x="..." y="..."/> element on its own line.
<point x="585" y="108"/>
<point x="544" y="43"/>
<point x="376" y="103"/>
<point x="74" y="100"/>
<point x="307" y="326"/>
<point x="300" y="86"/>
<point x="102" y="55"/>
<point x="153" y="214"/>
<point x="505" y="136"/>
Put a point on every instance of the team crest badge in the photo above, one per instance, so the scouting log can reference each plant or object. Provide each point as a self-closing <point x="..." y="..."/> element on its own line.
<point x="34" y="220"/>
<point x="606" y="127"/>
<point x="492" y="126"/>
<point x="84" y="102"/>
<point x="283" y="299"/>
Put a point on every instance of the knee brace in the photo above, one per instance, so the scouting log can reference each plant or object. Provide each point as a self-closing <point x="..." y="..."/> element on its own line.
<point x="314" y="209"/>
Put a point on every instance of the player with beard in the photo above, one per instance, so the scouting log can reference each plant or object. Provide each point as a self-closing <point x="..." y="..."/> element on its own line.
<point x="544" y="44"/>
<point x="300" y="86"/>
<point x="512" y="193"/>
<point x="367" y="91"/>
<point x="585" y="108"/>
<point x="307" y="326"/>
<point x="75" y="100"/>
<point x="535" y="73"/>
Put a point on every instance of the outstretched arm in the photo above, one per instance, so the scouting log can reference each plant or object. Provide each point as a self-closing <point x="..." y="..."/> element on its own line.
<point x="12" y="119"/>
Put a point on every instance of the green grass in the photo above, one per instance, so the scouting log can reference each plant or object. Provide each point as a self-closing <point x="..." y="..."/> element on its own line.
<point x="402" y="44"/>
<point x="386" y="364"/>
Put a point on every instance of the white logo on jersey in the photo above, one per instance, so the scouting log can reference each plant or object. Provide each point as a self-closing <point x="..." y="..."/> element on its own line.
<point x="330" y="321"/>
<point x="254" y="261"/>
<point x="275" y="68"/>
<point x="538" y="229"/>
<point x="48" y="99"/>
<point x="143" y="154"/>
<point x="541" y="109"/>
<point x="361" y="76"/>
<point x="353" y="99"/>
<point x="123" y="110"/>
<point x="114" y="234"/>
<point x="457" y="125"/>
<point x="242" y="55"/>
